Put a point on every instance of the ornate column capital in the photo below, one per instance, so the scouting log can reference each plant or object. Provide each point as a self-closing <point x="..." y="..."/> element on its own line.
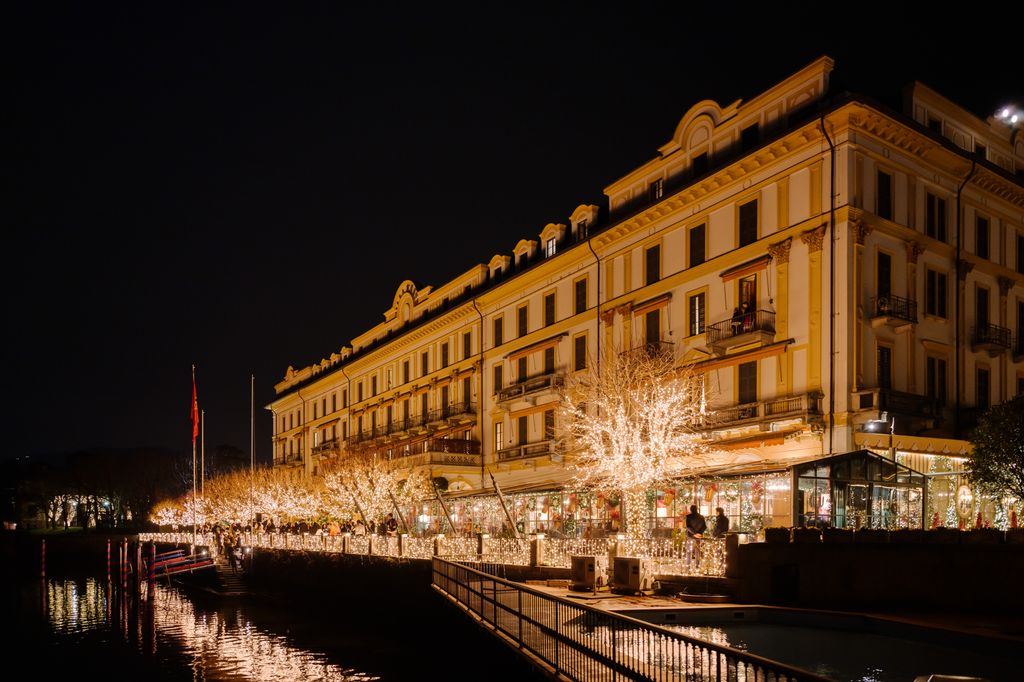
<point x="1005" y="284"/>
<point x="913" y="251"/>
<point x="860" y="231"/>
<point x="813" y="238"/>
<point x="780" y="251"/>
<point x="963" y="268"/>
<point x="608" y="316"/>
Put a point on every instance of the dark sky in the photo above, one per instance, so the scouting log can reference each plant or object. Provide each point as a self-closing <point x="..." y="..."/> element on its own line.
<point x="243" y="188"/>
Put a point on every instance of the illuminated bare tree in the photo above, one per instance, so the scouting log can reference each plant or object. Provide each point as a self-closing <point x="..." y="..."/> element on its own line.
<point x="631" y="422"/>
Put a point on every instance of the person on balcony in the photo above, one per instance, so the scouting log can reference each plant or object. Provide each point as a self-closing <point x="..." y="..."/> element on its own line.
<point x="737" y="321"/>
<point x="748" y="317"/>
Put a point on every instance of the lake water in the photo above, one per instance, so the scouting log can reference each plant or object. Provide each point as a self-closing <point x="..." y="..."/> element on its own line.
<point x="857" y="656"/>
<point x="78" y="628"/>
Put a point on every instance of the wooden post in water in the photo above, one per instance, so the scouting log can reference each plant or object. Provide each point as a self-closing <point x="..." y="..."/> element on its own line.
<point x="151" y="582"/>
<point x="42" y="565"/>
<point x="138" y="567"/>
<point x="124" y="564"/>
<point x="108" y="562"/>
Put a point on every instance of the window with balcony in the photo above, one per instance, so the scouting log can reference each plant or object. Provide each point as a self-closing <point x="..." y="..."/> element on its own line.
<point x="983" y="388"/>
<point x="549" y="360"/>
<point x="467" y="345"/>
<point x="981" y="234"/>
<point x="522" y="431"/>
<point x="698" y="248"/>
<point x="884" y="367"/>
<point x="549" y="309"/>
<point x="579" y="353"/>
<point x="549" y="424"/>
<point x="748" y="223"/>
<point x="521" y="315"/>
<point x="935" y="381"/>
<point x="580" y="291"/>
<point x="424" y="404"/>
<point x="935" y="293"/>
<point x="499" y="377"/>
<point x="981" y="306"/>
<point x="405" y="410"/>
<point x="389" y="419"/>
<point x="444" y="355"/>
<point x="521" y="369"/>
<point x="652" y="328"/>
<point x="884" y="275"/>
<point x="747" y="386"/>
<point x="344" y="430"/>
<point x="467" y="390"/>
<point x="445" y="397"/>
<point x="696" y="312"/>
<point x="549" y="247"/>
<point x="652" y="271"/>
<point x="883" y="195"/>
<point x="499" y="435"/>
<point x="499" y="331"/>
<point x="935" y="217"/>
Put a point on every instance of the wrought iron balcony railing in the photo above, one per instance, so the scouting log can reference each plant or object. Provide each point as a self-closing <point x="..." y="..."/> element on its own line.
<point x="896" y="307"/>
<point x="803" y="405"/>
<point x="530" y="385"/>
<point x="528" y="450"/>
<point x="741" y="329"/>
<point x="651" y="349"/>
<point x="991" y="337"/>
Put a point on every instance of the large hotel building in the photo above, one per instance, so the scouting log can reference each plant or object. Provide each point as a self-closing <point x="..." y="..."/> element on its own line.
<point x="880" y="258"/>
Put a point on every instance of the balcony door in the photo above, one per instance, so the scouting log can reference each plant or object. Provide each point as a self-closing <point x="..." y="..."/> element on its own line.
<point x="747" y="383"/>
<point x="981" y="307"/>
<point x="748" y="292"/>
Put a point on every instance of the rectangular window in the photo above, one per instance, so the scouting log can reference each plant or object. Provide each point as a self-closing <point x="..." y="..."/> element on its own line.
<point x="373" y="421"/>
<point x="749" y="137"/>
<point x="405" y="410"/>
<point x="652" y="327"/>
<point x="499" y="331"/>
<point x="653" y="261"/>
<point x="373" y="386"/>
<point x="981" y="237"/>
<point x="334" y="402"/>
<point x="884" y="275"/>
<point x="324" y="406"/>
<point x="405" y="372"/>
<point x="314" y="409"/>
<point x="697" y="245"/>
<point x="981" y="306"/>
<point x="935" y="293"/>
<point x="499" y="435"/>
<point x="883" y="195"/>
<point x="521" y="429"/>
<point x="359" y="424"/>
<point x="982" y="389"/>
<point x="359" y="392"/>
<point x="980" y="150"/>
<point x="884" y="367"/>
<point x="748" y="293"/>
<point x="748" y="223"/>
<point x="467" y="345"/>
<point x="344" y="430"/>
<point x="580" y="304"/>
<point x="522" y="320"/>
<point x="549" y="424"/>
<point x="747" y="383"/>
<point x="344" y="399"/>
<point x="549" y="360"/>
<point x="445" y="397"/>
<point x="467" y="391"/>
<point x="695" y="308"/>
<point x="444" y="355"/>
<point x="1020" y="385"/>
<point x="521" y="369"/>
<point x="1020" y="253"/>
<point x="935" y="124"/>
<point x="935" y="217"/>
<point x="549" y="247"/>
<point x="425" y="363"/>
<point x="499" y="377"/>
<point x="656" y="189"/>
<point x="581" y="230"/>
<point x="936" y="379"/>
<point x="424" y="404"/>
<point x="390" y="419"/>
<point x="549" y="310"/>
<point x="579" y="353"/>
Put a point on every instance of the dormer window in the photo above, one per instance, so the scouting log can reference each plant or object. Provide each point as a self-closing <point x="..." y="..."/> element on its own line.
<point x="581" y="229"/>
<point x="980" y="150"/>
<point x="550" y="246"/>
<point x="749" y="137"/>
<point x="700" y="164"/>
<point x="935" y="124"/>
<point x="657" y="189"/>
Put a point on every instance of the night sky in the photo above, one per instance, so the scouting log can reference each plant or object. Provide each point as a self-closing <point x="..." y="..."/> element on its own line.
<point x="243" y="188"/>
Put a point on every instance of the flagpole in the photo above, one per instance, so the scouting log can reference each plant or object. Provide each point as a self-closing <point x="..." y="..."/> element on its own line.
<point x="202" y="452"/>
<point x="195" y="406"/>
<point x="252" y="446"/>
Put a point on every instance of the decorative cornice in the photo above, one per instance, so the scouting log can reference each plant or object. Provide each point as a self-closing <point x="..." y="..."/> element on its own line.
<point x="780" y="251"/>
<point x="963" y="268"/>
<point x="814" y="238"/>
<point x="913" y="251"/>
<point x="860" y="230"/>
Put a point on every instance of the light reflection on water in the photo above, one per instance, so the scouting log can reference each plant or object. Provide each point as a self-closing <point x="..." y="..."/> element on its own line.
<point x="215" y="644"/>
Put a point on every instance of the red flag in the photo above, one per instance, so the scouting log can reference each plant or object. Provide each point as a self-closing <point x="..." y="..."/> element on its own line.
<point x="195" y="409"/>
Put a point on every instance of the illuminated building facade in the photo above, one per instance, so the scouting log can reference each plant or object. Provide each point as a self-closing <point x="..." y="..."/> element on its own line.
<point x="846" y="277"/>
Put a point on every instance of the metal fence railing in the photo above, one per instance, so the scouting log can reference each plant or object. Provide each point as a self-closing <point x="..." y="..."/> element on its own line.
<point x="581" y="642"/>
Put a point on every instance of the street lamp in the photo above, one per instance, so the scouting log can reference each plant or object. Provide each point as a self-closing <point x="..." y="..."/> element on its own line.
<point x="882" y="425"/>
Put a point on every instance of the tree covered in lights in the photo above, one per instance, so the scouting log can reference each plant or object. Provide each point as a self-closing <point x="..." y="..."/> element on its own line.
<point x="997" y="462"/>
<point x="631" y="422"/>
